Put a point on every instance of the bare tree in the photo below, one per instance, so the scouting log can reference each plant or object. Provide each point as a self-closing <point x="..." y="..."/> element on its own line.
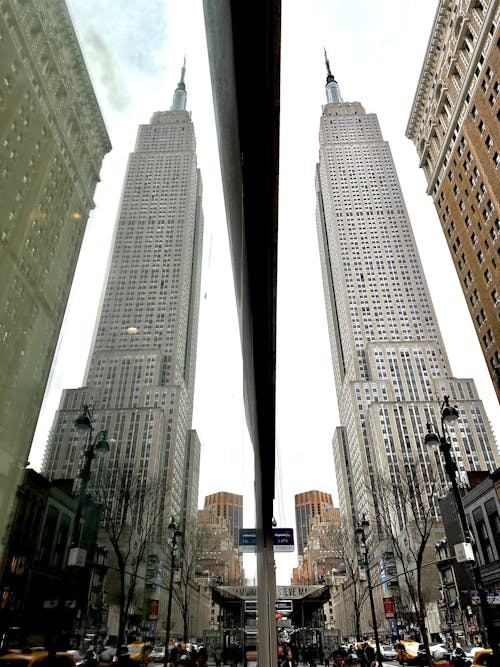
<point x="198" y="542"/>
<point x="130" y="518"/>
<point x="355" y="586"/>
<point x="407" y="517"/>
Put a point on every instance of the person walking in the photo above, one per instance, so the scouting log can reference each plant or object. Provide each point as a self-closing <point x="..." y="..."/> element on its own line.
<point x="218" y="656"/>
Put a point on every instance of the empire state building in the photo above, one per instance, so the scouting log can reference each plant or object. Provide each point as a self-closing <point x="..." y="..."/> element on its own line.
<point x="140" y="376"/>
<point x="390" y="364"/>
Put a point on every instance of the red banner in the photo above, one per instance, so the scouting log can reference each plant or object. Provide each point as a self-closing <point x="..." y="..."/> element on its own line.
<point x="153" y="609"/>
<point x="388" y="608"/>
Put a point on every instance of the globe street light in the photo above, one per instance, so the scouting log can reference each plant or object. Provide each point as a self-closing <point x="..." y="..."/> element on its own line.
<point x="99" y="445"/>
<point x="360" y="532"/>
<point x="173" y="545"/>
<point x="449" y="415"/>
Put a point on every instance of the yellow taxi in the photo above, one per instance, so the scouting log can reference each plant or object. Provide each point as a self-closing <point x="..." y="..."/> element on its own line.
<point x="140" y="652"/>
<point x="407" y="652"/>
<point x="37" y="658"/>
<point x="483" y="658"/>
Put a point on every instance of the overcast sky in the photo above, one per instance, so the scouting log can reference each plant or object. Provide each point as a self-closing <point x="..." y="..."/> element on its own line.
<point x="134" y="52"/>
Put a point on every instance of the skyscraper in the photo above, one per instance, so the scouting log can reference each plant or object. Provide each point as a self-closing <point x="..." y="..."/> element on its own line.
<point x="53" y="143"/>
<point x="454" y="124"/>
<point x="308" y="506"/>
<point x="230" y="507"/>
<point x="140" y="376"/>
<point x="390" y="366"/>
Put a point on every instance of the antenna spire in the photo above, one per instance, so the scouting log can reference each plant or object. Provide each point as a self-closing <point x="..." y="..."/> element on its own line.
<point x="332" y="87"/>
<point x="180" y="95"/>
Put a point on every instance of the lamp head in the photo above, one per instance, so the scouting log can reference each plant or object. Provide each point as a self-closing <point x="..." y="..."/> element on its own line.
<point x="431" y="438"/>
<point x="449" y="414"/>
<point x="102" y="444"/>
<point x="83" y="421"/>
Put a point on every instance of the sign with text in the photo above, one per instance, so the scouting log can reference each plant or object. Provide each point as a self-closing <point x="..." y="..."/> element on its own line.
<point x="282" y="540"/>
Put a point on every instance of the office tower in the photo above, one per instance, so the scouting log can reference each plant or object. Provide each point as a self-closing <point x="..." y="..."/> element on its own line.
<point x="308" y="506"/>
<point x="390" y="365"/>
<point x="455" y="126"/>
<point x="229" y="506"/>
<point x="140" y="376"/>
<point x="53" y="142"/>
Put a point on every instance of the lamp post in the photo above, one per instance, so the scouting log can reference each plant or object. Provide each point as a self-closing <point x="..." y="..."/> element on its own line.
<point x="449" y="415"/>
<point x="100" y="445"/>
<point x="173" y="545"/>
<point x="360" y="532"/>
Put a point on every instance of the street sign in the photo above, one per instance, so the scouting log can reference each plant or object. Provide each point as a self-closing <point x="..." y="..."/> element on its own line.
<point x="282" y="606"/>
<point x="248" y="540"/>
<point x="492" y="597"/>
<point x="283" y="540"/>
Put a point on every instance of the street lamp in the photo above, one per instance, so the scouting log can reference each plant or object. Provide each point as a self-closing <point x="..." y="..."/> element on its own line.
<point x="449" y="415"/>
<point x="100" y="445"/>
<point x="173" y="545"/>
<point x="360" y="532"/>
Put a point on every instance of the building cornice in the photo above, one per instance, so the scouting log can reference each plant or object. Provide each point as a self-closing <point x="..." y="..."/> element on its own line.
<point x="429" y="67"/>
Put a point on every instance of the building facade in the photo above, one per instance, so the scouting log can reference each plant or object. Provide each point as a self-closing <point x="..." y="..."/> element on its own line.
<point x="42" y="600"/>
<point x="140" y="376"/>
<point x="390" y="366"/>
<point x="323" y="554"/>
<point x="229" y="506"/>
<point x="53" y="143"/>
<point x="455" y="126"/>
<point x="308" y="506"/>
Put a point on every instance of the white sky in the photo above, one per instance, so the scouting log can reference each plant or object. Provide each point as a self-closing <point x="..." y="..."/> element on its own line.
<point x="134" y="53"/>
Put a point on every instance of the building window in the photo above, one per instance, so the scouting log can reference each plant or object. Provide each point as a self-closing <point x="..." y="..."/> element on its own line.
<point x="483" y="536"/>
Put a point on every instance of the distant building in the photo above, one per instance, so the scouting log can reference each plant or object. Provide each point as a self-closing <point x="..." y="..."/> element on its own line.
<point x="323" y="554"/>
<point x="53" y="142"/>
<point x="308" y="506"/>
<point x="217" y="556"/>
<point x="455" y="126"/>
<point x="230" y="507"/>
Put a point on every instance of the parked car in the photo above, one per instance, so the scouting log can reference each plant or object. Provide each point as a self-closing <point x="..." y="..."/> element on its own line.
<point x="470" y="651"/>
<point x="388" y="652"/>
<point x="439" y="653"/>
<point x="109" y="654"/>
<point x="29" y="658"/>
<point x="157" y="654"/>
<point x="86" y="658"/>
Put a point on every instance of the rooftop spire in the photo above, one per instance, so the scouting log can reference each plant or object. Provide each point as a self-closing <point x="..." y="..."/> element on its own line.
<point x="332" y="87"/>
<point x="180" y="95"/>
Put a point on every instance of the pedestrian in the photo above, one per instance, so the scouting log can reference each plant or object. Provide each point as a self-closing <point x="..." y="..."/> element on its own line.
<point x="326" y="657"/>
<point x="290" y="660"/>
<point x="218" y="656"/>
<point x="353" y="660"/>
